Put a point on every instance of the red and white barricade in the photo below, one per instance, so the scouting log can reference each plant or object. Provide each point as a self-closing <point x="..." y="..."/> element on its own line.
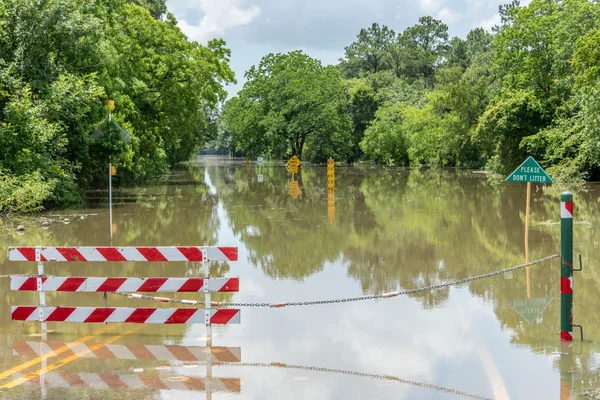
<point x="82" y="284"/>
<point x="209" y="316"/>
<point x="163" y="380"/>
<point x="119" y="254"/>
<point x="111" y="351"/>
<point x="42" y="284"/>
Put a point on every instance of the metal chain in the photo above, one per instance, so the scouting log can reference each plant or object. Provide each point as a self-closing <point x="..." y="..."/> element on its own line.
<point x="337" y="371"/>
<point x="345" y="300"/>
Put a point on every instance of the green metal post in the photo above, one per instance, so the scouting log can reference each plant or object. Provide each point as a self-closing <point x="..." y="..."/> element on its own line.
<point x="566" y="266"/>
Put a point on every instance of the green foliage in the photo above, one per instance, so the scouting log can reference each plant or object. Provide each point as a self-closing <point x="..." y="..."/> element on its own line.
<point x="385" y="140"/>
<point x="60" y="60"/>
<point x="289" y="101"/>
<point x="422" y="48"/>
<point x="156" y="8"/>
<point x="512" y="117"/>
<point x="25" y="193"/>
<point x="362" y="107"/>
<point x="367" y="55"/>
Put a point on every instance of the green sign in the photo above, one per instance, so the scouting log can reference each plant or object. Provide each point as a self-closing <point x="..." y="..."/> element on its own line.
<point x="531" y="309"/>
<point x="529" y="171"/>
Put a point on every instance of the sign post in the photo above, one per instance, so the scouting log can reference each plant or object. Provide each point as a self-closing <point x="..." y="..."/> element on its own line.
<point x="331" y="190"/>
<point x="529" y="171"/>
<point x="260" y="162"/>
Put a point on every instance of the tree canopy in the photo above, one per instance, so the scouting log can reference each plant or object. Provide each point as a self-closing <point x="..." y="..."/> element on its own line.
<point x="288" y="102"/>
<point x="61" y="60"/>
<point x="421" y="97"/>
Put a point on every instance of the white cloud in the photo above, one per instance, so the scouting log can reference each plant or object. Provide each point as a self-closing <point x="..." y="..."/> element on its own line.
<point x="489" y="23"/>
<point x="447" y="16"/>
<point x="219" y="16"/>
<point x="431" y="6"/>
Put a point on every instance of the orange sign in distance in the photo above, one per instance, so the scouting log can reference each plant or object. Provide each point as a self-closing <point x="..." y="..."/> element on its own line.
<point x="113" y="170"/>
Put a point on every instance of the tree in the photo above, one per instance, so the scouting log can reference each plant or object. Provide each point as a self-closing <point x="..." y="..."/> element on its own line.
<point x="424" y="46"/>
<point x="509" y="119"/>
<point x="157" y="8"/>
<point x="367" y="54"/>
<point x="385" y="140"/>
<point x="362" y="107"/>
<point x="60" y="60"/>
<point x="288" y="101"/>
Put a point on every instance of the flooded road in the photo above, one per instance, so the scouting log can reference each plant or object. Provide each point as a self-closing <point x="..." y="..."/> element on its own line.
<point x="385" y="230"/>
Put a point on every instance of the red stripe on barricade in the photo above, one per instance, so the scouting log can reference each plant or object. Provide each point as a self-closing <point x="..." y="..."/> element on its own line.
<point x="71" y="285"/>
<point x="191" y="253"/>
<point x="140" y="352"/>
<point x="100" y="314"/>
<point x="223" y="316"/>
<point x="28" y="253"/>
<point x="103" y="352"/>
<point x="73" y="379"/>
<point x="232" y="384"/>
<point x="111" y="254"/>
<point x="23" y="349"/>
<point x="60" y="314"/>
<point x="111" y="284"/>
<point x="232" y="285"/>
<point x="191" y="285"/>
<point x="71" y="254"/>
<point x="140" y="315"/>
<point x="152" y="284"/>
<point x="151" y="254"/>
<point x="113" y="381"/>
<point x="31" y="284"/>
<point x="230" y="252"/>
<point x="181" y="316"/>
<point x="22" y="313"/>
<point x="181" y="353"/>
<point x="195" y="384"/>
<point x="223" y="354"/>
<point x="152" y="381"/>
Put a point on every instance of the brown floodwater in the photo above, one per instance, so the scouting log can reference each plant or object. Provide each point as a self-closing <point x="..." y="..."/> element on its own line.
<point x="382" y="230"/>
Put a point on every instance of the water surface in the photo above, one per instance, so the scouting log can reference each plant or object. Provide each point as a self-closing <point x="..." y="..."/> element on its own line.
<point x="382" y="230"/>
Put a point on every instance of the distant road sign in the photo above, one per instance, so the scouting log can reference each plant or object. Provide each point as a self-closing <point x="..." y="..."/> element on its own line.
<point x="260" y="161"/>
<point x="531" y="309"/>
<point x="294" y="162"/>
<point x="294" y="169"/>
<point x="529" y="171"/>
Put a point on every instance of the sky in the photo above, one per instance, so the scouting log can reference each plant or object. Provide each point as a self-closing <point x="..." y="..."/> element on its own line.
<point x="321" y="28"/>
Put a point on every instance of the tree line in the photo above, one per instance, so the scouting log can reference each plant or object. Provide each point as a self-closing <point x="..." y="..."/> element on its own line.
<point x="62" y="60"/>
<point x="419" y="97"/>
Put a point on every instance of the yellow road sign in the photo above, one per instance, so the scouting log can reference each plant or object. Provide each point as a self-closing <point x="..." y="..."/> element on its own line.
<point x="293" y="169"/>
<point x="113" y="170"/>
<point x="294" y="161"/>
